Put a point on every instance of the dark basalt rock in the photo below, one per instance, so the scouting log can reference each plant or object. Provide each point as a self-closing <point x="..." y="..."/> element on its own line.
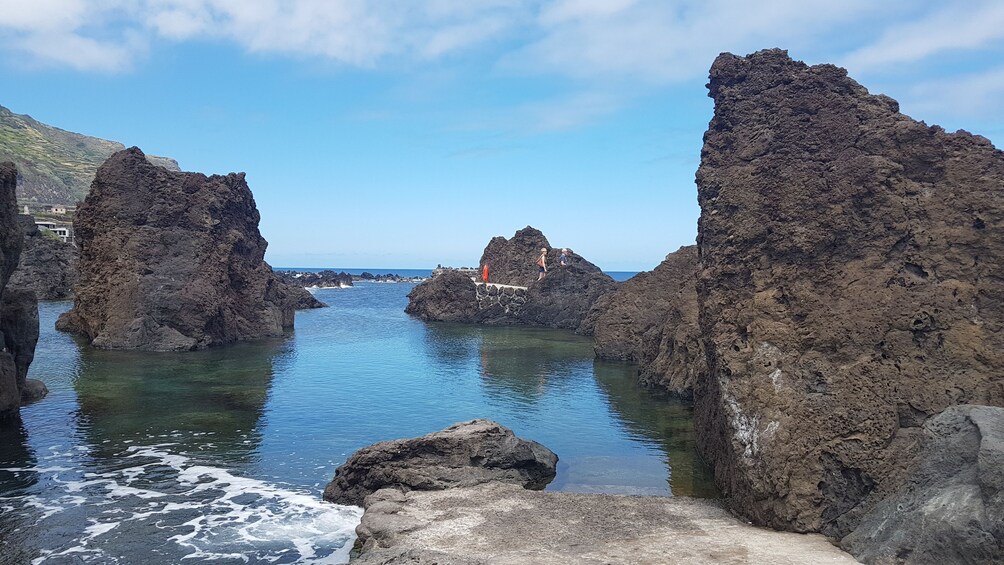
<point x="18" y="308"/>
<point x="172" y="261"/>
<point x="48" y="266"/>
<point x="449" y="297"/>
<point x="951" y="509"/>
<point x="562" y="299"/>
<point x="323" y="279"/>
<point x="847" y="288"/>
<point x="464" y="454"/>
<point x="651" y="320"/>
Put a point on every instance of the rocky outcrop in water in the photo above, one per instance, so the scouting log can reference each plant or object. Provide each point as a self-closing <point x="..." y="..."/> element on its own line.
<point x="172" y="261"/>
<point x="847" y="288"/>
<point x="561" y="300"/>
<point x="651" y="320"/>
<point x="48" y="266"/>
<point x="18" y="308"/>
<point x="464" y="454"/>
<point x="322" y="279"/>
<point x="951" y="509"/>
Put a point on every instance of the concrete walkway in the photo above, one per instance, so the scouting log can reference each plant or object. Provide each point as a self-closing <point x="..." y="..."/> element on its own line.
<point x="500" y="524"/>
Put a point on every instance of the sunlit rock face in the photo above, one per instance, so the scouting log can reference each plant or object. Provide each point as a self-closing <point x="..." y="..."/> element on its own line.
<point x="172" y="261"/>
<point x="848" y="288"/>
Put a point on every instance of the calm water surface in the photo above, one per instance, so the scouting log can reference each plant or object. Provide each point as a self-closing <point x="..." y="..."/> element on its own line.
<point x="220" y="456"/>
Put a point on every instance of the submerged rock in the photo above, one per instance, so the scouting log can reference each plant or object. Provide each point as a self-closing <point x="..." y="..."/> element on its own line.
<point x="951" y="509"/>
<point x="464" y="454"/>
<point x="18" y="308"/>
<point x="562" y="299"/>
<point x="48" y="266"/>
<point x="651" y="320"/>
<point x="172" y="261"/>
<point x="846" y="288"/>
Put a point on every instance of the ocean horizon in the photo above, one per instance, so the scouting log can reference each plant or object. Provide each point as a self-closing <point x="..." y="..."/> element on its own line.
<point x="619" y="276"/>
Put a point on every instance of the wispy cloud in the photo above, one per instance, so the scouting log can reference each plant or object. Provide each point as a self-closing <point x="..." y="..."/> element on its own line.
<point x="953" y="28"/>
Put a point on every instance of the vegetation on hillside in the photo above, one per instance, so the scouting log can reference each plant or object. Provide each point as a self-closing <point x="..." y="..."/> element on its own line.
<point x="55" y="166"/>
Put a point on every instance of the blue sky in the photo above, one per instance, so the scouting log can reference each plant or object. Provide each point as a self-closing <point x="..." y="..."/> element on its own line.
<point x="402" y="133"/>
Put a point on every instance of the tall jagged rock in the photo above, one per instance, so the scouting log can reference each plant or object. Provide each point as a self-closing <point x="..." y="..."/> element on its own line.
<point x="172" y="261"/>
<point x="48" y="266"/>
<point x="651" y="320"/>
<point x="18" y="309"/>
<point x="848" y="288"/>
<point x="561" y="300"/>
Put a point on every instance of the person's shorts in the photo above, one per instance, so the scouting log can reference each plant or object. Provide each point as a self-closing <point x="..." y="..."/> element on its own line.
<point x="540" y="269"/>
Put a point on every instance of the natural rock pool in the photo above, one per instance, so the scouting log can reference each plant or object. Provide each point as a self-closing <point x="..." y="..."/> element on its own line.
<point x="221" y="455"/>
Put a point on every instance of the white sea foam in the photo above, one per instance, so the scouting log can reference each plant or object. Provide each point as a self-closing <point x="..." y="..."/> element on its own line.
<point x="193" y="512"/>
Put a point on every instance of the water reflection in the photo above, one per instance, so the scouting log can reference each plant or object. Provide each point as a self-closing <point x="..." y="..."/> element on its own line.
<point x="660" y="418"/>
<point x="205" y="401"/>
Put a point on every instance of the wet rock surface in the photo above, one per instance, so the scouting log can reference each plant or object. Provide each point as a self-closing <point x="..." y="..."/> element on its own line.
<point x="464" y="454"/>
<point x="651" y="320"/>
<point x="951" y="509"/>
<point x="48" y="266"/>
<point x="502" y="524"/>
<point x="18" y="308"/>
<point x="846" y="289"/>
<point x="172" y="261"/>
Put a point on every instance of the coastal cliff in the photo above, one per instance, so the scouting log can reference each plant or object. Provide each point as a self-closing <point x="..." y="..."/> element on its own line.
<point x="18" y="308"/>
<point x="515" y="296"/>
<point x="651" y="320"/>
<point x="846" y="289"/>
<point x="172" y="261"/>
<point x="48" y="267"/>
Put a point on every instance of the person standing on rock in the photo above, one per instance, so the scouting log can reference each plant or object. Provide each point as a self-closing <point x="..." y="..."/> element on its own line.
<point x="563" y="260"/>
<point x="542" y="263"/>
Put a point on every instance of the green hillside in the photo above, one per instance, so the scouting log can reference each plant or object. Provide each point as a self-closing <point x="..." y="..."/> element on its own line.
<point x="55" y="166"/>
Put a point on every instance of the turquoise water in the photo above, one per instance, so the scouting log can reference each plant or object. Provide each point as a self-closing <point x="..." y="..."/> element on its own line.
<point x="220" y="456"/>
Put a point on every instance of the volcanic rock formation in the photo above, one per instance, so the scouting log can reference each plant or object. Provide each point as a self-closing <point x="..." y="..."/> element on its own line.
<point x="651" y="320"/>
<point x="48" y="266"/>
<point x="561" y="300"/>
<point x="172" y="261"/>
<point x="848" y="288"/>
<point x="951" y="510"/>
<point x="464" y="454"/>
<point x="18" y="308"/>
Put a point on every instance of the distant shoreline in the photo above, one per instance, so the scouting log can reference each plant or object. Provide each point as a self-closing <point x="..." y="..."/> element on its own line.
<point x="619" y="276"/>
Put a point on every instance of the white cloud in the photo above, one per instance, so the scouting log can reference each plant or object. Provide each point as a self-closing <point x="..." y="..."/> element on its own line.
<point x="976" y="25"/>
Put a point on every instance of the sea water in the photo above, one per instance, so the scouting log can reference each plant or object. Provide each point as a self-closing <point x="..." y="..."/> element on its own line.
<point x="221" y="455"/>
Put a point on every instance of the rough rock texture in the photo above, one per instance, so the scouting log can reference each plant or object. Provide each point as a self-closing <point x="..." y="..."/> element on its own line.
<point x="295" y="296"/>
<point x="18" y="308"/>
<point x="849" y="288"/>
<point x="951" y="510"/>
<point x="500" y="524"/>
<point x="171" y="261"/>
<point x="449" y="297"/>
<point x="561" y="300"/>
<point x="464" y="454"/>
<point x="651" y="320"/>
<point x="48" y="266"/>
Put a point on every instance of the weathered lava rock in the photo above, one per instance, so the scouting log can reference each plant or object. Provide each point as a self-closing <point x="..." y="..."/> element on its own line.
<point x="48" y="266"/>
<point x="322" y="279"/>
<point x="951" y="510"/>
<point x="847" y="288"/>
<point x="295" y="296"/>
<point x="562" y="299"/>
<point x="651" y="320"/>
<point x="464" y="454"/>
<point x="18" y="308"/>
<point x="449" y="297"/>
<point x="171" y="261"/>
